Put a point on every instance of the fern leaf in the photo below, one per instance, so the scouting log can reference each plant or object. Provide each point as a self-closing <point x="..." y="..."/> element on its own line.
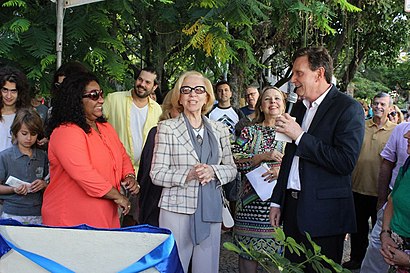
<point x="344" y="5"/>
<point x="211" y="4"/>
<point x="6" y="44"/>
<point x="96" y="56"/>
<point x="15" y="3"/>
<point x="190" y="30"/>
<point x="112" y="43"/>
<point x="37" y="42"/>
<point x="20" y="25"/>
<point x="47" y="61"/>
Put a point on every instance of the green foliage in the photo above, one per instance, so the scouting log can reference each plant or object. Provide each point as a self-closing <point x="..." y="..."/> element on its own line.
<point x="116" y="38"/>
<point x="20" y="25"/>
<point x="273" y="262"/>
<point x="372" y="80"/>
<point x="14" y="3"/>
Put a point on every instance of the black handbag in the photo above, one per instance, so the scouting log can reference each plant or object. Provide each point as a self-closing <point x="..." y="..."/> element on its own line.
<point x="232" y="188"/>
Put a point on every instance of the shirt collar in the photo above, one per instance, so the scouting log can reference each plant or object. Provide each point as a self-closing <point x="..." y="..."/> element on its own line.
<point x="17" y="154"/>
<point x="385" y="126"/>
<point x="318" y="101"/>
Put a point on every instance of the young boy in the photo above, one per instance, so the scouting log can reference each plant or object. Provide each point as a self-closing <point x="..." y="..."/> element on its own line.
<point x="27" y="163"/>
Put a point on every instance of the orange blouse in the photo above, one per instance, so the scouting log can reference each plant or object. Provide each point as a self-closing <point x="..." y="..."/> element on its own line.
<point x="83" y="168"/>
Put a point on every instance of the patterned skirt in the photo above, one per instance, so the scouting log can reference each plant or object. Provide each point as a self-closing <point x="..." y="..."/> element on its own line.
<point x="252" y="226"/>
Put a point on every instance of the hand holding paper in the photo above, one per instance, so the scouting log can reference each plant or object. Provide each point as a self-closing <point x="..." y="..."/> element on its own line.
<point x="21" y="186"/>
<point x="263" y="188"/>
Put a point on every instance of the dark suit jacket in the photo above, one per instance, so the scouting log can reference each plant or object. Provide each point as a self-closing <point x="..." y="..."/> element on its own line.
<point x="149" y="193"/>
<point x="328" y="153"/>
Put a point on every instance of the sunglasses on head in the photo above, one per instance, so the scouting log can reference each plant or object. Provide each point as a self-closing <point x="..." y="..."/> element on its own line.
<point x="94" y="94"/>
<point x="197" y="89"/>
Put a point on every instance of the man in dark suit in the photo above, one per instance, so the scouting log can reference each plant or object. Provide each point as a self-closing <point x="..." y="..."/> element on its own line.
<point x="314" y="192"/>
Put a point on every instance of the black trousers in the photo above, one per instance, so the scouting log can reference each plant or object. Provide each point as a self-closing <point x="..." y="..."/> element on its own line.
<point x="331" y="246"/>
<point x="365" y="207"/>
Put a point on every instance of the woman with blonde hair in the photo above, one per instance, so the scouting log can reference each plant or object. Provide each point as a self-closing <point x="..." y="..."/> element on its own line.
<point x="256" y="145"/>
<point x="395" y="115"/>
<point x="192" y="159"/>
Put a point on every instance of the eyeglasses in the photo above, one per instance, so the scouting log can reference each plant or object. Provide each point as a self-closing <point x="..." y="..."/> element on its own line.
<point x="251" y="94"/>
<point x="197" y="89"/>
<point x="393" y="114"/>
<point x="5" y="90"/>
<point x="94" y="94"/>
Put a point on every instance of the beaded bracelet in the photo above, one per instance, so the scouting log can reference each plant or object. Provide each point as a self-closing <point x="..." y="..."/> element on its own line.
<point x="129" y="175"/>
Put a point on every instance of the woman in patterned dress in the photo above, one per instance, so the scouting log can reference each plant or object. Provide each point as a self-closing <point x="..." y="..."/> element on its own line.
<point x="257" y="145"/>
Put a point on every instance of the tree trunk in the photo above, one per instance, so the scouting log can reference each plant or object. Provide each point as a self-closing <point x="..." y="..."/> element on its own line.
<point x="237" y="82"/>
<point x="355" y="62"/>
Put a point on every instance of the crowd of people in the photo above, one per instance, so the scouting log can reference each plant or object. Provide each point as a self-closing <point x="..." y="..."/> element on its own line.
<point x="123" y="159"/>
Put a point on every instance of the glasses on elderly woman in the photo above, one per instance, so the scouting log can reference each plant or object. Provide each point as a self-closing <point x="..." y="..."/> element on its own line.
<point x="188" y="89"/>
<point x="94" y="94"/>
<point x="393" y="114"/>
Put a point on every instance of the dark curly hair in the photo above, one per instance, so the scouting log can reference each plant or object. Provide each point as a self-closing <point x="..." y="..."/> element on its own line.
<point x="12" y="74"/>
<point x="68" y="103"/>
<point x="66" y="70"/>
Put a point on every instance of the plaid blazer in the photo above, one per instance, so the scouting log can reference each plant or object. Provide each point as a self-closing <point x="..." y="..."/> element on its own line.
<point x="174" y="157"/>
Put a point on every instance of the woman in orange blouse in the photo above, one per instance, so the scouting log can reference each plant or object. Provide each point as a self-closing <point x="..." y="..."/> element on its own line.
<point x="87" y="160"/>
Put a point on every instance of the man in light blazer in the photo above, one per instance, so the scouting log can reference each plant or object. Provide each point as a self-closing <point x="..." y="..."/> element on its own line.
<point x="314" y="192"/>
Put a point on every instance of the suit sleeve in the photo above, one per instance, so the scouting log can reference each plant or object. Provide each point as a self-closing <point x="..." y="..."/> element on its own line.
<point x="165" y="152"/>
<point x="340" y="156"/>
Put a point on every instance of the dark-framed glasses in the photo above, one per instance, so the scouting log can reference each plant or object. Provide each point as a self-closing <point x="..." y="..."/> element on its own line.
<point x="393" y="114"/>
<point x="5" y="90"/>
<point x="188" y="89"/>
<point x="94" y="94"/>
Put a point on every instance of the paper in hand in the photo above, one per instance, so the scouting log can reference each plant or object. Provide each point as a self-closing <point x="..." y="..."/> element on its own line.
<point x="15" y="182"/>
<point x="263" y="188"/>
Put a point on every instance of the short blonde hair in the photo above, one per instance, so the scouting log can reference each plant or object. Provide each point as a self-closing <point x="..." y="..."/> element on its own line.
<point x="176" y="94"/>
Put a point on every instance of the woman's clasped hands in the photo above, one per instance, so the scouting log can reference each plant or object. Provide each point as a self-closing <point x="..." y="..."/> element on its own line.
<point x="204" y="173"/>
<point x="130" y="184"/>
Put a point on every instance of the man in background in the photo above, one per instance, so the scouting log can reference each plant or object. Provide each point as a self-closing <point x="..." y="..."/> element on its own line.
<point x="132" y="114"/>
<point x="224" y="111"/>
<point x="394" y="155"/>
<point x="365" y="176"/>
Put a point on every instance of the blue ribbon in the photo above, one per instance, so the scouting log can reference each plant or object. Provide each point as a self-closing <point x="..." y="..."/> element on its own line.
<point x="164" y="257"/>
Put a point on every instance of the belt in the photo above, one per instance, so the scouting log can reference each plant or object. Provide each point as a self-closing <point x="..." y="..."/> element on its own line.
<point x="294" y="194"/>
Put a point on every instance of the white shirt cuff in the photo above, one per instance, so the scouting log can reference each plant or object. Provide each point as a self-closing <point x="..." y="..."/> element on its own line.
<point x="274" y="205"/>
<point x="298" y="139"/>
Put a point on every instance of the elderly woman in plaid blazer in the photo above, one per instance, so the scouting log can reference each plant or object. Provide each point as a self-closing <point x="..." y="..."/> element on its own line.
<point x="192" y="159"/>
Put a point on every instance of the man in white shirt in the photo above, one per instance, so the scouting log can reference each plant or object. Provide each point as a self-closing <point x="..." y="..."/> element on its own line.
<point x="223" y="111"/>
<point x="313" y="193"/>
<point x="132" y="114"/>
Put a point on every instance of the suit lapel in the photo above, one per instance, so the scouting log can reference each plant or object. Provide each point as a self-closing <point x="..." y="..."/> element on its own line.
<point x="181" y="133"/>
<point x="323" y="108"/>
